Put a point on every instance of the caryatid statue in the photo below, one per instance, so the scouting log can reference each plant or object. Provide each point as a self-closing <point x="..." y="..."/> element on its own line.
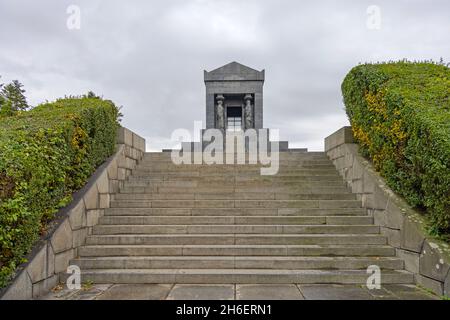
<point x="248" y="111"/>
<point x="220" y="112"/>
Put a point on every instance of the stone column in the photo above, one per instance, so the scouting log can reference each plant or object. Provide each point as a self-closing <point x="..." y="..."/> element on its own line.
<point x="248" y="111"/>
<point x="220" y="112"/>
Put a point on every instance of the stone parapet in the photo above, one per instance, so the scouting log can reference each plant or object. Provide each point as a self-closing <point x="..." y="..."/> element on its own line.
<point x="427" y="258"/>
<point x="51" y="255"/>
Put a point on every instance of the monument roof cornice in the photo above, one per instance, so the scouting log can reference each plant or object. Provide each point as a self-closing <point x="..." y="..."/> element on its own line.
<point x="234" y="71"/>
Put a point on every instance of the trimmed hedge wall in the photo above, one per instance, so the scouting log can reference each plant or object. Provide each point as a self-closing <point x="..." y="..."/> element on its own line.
<point x="46" y="154"/>
<point x="400" y="116"/>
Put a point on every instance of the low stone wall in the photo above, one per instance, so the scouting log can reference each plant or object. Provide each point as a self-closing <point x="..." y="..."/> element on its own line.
<point x="52" y="254"/>
<point x="427" y="258"/>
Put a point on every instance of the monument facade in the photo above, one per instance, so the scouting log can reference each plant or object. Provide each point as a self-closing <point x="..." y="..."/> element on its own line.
<point x="234" y="97"/>
<point x="234" y="105"/>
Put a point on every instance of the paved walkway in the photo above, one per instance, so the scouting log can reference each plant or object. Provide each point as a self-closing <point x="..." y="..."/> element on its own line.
<point x="238" y="292"/>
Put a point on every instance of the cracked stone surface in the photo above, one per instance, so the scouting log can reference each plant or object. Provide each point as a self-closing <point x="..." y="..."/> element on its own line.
<point x="238" y="292"/>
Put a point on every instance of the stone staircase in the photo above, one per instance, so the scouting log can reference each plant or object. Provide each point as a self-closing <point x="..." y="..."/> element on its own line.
<point x="229" y="224"/>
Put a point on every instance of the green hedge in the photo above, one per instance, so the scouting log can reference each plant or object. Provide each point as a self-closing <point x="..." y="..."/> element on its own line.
<point x="46" y="154"/>
<point x="400" y="116"/>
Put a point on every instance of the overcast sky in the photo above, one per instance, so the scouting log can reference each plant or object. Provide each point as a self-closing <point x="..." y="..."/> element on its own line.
<point x="149" y="56"/>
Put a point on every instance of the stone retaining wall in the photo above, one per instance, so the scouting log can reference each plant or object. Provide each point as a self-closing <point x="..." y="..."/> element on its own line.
<point x="427" y="258"/>
<point x="51" y="255"/>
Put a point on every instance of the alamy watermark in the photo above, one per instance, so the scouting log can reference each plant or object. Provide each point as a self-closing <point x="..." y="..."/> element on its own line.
<point x="73" y="281"/>
<point x="374" y="280"/>
<point x="373" y="21"/>
<point x="73" y="21"/>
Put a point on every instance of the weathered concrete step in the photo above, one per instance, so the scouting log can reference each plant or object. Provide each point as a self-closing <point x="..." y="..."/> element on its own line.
<point x="234" y="229"/>
<point x="283" y="166"/>
<point x="233" y="239"/>
<point x="236" y="250"/>
<point x="219" y="176"/>
<point x="321" y="204"/>
<point x="281" y="155"/>
<point x="227" y="220"/>
<point x="140" y="171"/>
<point x="234" y="196"/>
<point x="235" y="212"/>
<point x="212" y="183"/>
<point x="118" y="276"/>
<point x="239" y="262"/>
<point x="236" y="189"/>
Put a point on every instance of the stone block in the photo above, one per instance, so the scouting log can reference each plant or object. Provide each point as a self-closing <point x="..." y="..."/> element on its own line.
<point x="62" y="260"/>
<point x="77" y="216"/>
<point x="122" y="173"/>
<point x="357" y="186"/>
<point x="103" y="183"/>
<point x="130" y="163"/>
<point x="104" y="201"/>
<point x="120" y="135"/>
<point x="394" y="216"/>
<point x="113" y="186"/>
<point x="412" y="237"/>
<point x="351" y="148"/>
<point x="138" y="142"/>
<point x="436" y="286"/>
<point x="432" y="263"/>
<point x="92" y="217"/>
<point x="369" y="182"/>
<point x="411" y="260"/>
<point x="112" y="169"/>
<point x="393" y="236"/>
<point x="367" y="200"/>
<point x="379" y="217"/>
<point x="124" y="136"/>
<point x="62" y="238"/>
<point x="43" y="287"/>
<point x="50" y="260"/>
<point x="121" y="161"/>
<point x="343" y="135"/>
<point x="339" y="163"/>
<point x="37" y="268"/>
<point x="91" y="198"/>
<point x="380" y="198"/>
<point x="128" y="151"/>
<point x="79" y="237"/>
<point x="356" y="171"/>
<point x="20" y="289"/>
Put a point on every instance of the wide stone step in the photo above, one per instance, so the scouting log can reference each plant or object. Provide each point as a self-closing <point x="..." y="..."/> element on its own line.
<point x="305" y="176"/>
<point x="140" y="171"/>
<point x="235" y="229"/>
<point x="227" y="220"/>
<point x="234" y="196"/>
<point x="232" y="183"/>
<point x="356" y="250"/>
<point x="124" y="276"/>
<point x="236" y="189"/>
<point x="236" y="239"/>
<point x="321" y="204"/>
<point x="166" y="156"/>
<point x="235" y="212"/>
<point x="239" y="262"/>
<point x="283" y="166"/>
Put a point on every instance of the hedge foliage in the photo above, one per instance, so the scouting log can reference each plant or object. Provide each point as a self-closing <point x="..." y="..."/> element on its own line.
<point x="46" y="154"/>
<point x="400" y="116"/>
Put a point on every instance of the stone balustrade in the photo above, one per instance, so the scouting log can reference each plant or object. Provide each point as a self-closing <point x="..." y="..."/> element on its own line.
<point x="427" y="258"/>
<point x="52" y="254"/>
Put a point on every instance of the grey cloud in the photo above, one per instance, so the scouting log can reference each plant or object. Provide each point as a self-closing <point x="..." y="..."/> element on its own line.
<point x="149" y="56"/>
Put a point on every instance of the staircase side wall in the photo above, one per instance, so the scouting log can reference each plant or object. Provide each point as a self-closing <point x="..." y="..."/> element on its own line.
<point x="51" y="256"/>
<point x="427" y="258"/>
